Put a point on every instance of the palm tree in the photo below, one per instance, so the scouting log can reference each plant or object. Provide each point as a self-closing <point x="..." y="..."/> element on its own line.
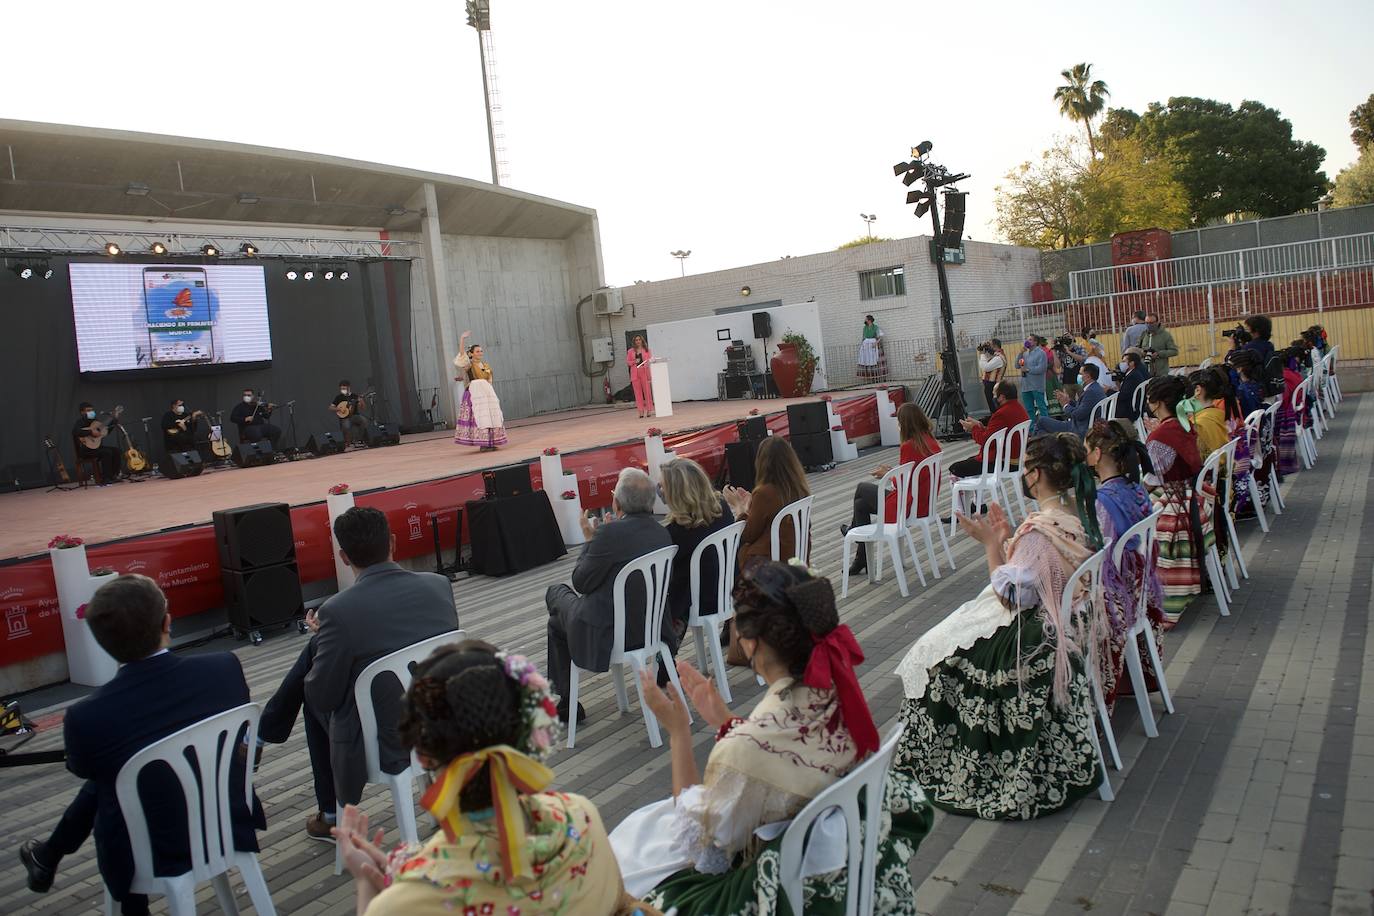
<point x="1082" y="98"/>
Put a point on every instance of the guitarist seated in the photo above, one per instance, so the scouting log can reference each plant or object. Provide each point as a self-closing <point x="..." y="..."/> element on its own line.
<point x="88" y="438"/>
<point x="252" y="416"/>
<point x="349" y="407"/>
<point x="180" y="429"/>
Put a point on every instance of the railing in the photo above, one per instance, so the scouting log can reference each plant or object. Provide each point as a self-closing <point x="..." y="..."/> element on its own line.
<point x="904" y="360"/>
<point x="45" y="240"/>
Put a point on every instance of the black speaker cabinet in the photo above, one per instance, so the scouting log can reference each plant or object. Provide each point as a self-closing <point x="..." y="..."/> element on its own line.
<point x="252" y="537"/>
<point x="739" y="462"/>
<point x="813" y="449"/>
<point x="513" y="480"/>
<point x="807" y="419"/>
<point x="23" y="476"/>
<point x="379" y="434"/>
<point x="763" y="325"/>
<point x="183" y="464"/>
<point x="262" y="597"/>
<point x="253" y="454"/>
<point x="324" y="444"/>
<point x="754" y="429"/>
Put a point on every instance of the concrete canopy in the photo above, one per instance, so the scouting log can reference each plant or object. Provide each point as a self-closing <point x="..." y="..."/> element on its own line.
<point x="54" y="168"/>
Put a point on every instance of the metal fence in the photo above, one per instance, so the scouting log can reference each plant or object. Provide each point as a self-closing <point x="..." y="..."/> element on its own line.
<point x="903" y="360"/>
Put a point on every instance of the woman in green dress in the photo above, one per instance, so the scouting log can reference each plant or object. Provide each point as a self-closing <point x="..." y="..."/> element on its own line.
<point x="998" y="711"/>
<point x="872" y="361"/>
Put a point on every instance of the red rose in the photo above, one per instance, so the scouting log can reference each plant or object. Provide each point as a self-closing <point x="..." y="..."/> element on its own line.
<point x="549" y="706"/>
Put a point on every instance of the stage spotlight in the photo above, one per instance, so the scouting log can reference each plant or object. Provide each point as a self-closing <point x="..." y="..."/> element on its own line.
<point x="343" y="275"/>
<point x="922" y="148"/>
<point x="745" y="291"/>
<point x="923" y="207"/>
<point x="901" y="168"/>
<point x="158" y="249"/>
<point x="112" y="249"/>
<point x="291" y="274"/>
<point x="22" y="271"/>
<point x="308" y="275"/>
<point x="47" y="271"/>
<point x="329" y="273"/>
<point x="248" y="250"/>
<point x="210" y="251"/>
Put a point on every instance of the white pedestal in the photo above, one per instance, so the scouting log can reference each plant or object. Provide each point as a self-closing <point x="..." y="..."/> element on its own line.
<point x="887" y="419"/>
<point x="843" y="449"/>
<point x="338" y="504"/>
<point x="568" y="512"/>
<point x="87" y="663"/>
<point x="656" y="457"/>
<point x="663" y="391"/>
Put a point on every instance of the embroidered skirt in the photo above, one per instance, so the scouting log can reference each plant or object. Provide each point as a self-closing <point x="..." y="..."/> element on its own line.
<point x="1288" y="441"/>
<point x="872" y="360"/>
<point x="1183" y="536"/>
<point x="480" y="421"/>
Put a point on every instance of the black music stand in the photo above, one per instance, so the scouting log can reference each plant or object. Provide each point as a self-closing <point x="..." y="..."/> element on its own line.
<point x="450" y="570"/>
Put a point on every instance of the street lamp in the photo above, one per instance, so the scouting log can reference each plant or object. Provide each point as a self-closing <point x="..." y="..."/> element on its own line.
<point x="868" y="219"/>
<point x="682" y="257"/>
<point x="479" y="17"/>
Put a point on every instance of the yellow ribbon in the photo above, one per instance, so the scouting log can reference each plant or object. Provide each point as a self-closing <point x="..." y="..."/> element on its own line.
<point x="511" y="774"/>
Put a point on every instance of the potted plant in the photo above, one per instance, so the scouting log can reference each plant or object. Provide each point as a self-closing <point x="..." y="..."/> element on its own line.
<point x="794" y="366"/>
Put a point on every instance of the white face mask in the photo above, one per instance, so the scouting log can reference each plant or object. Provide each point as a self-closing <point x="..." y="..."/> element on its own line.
<point x="247" y="399"/>
<point x="180" y="408"/>
<point x="90" y="415"/>
<point x="343" y="391"/>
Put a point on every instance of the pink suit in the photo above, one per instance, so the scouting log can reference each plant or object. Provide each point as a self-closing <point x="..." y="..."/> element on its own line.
<point x="639" y="378"/>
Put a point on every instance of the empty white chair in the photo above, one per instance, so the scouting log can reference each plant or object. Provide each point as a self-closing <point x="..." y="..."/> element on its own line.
<point x="1307" y="449"/>
<point x="1313" y="385"/>
<point x="1208" y="477"/>
<point x="655" y="569"/>
<point x="1009" y="478"/>
<point x="1269" y="436"/>
<point x="800" y="514"/>
<point x="925" y="481"/>
<point x="209" y="746"/>
<point x="1333" y="384"/>
<point x="400" y="664"/>
<point x="861" y="824"/>
<point x="983" y="489"/>
<point x="706" y="628"/>
<point x="1138" y="405"/>
<point x="1140" y="539"/>
<point x="1091" y="569"/>
<point x="1104" y="409"/>
<point x="1234" y="557"/>
<point x="1254" y="443"/>
<point x="885" y="532"/>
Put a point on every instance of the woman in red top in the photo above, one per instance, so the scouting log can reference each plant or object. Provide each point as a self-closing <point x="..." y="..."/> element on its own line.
<point x="918" y="444"/>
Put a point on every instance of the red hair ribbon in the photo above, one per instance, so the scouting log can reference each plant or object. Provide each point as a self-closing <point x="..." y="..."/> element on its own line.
<point x="833" y="658"/>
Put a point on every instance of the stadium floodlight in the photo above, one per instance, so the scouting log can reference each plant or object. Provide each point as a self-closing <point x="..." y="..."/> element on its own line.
<point x="308" y="275"/>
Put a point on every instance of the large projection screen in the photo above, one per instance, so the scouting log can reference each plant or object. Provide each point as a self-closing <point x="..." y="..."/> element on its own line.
<point x="169" y="316"/>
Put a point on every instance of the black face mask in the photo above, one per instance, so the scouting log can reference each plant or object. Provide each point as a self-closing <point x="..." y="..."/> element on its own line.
<point x="1025" y="487"/>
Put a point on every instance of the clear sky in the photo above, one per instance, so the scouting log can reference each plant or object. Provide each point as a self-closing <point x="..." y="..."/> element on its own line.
<point x="742" y="131"/>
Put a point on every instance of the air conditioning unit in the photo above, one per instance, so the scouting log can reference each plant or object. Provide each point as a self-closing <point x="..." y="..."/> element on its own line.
<point x="607" y="301"/>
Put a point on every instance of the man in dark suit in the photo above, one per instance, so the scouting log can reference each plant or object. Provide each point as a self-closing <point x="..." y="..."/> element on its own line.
<point x="386" y="609"/>
<point x="154" y="694"/>
<point x="1078" y="412"/>
<point x="1136" y="375"/>
<point x="582" y="618"/>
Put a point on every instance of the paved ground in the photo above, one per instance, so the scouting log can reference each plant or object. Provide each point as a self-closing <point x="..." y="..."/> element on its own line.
<point x="1257" y="797"/>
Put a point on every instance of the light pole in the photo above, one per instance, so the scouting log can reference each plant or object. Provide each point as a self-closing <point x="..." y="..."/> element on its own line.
<point x="479" y="17"/>
<point x="868" y="219"/>
<point x="682" y="257"/>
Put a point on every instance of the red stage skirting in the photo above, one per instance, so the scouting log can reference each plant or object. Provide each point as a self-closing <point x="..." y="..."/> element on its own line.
<point x="185" y="563"/>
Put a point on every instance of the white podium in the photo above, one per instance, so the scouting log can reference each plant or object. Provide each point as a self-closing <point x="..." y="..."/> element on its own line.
<point x="568" y="512"/>
<point x="663" y="391"/>
<point x="887" y="419"/>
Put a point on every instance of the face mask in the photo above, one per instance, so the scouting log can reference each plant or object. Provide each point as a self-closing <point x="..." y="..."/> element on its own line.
<point x="343" y="391"/>
<point x="1080" y="378"/>
<point x="1123" y="367"/>
<point x="90" y="415"/>
<point x="1028" y="343"/>
<point x="247" y="399"/>
<point x="1152" y="327"/>
<point x="180" y="408"/>
<point x="1025" y="487"/>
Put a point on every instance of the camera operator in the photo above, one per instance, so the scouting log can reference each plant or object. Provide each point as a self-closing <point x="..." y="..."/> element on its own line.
<point x="1069" y="356"/>
<point x="1260" y="328"/>
<point x="1158" y="345"/>
<point x="992" y="365"/>
<point x="1135" y="375"/>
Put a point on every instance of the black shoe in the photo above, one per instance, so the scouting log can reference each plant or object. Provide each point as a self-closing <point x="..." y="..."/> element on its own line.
<point x="859" y="566"/>
<point x="563" y="713"/>
<point x="40" y="875"/>
<point x="844" y="529"/>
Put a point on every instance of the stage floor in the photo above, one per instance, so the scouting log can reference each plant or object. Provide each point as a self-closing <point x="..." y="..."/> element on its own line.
<point x="28" y="519"/>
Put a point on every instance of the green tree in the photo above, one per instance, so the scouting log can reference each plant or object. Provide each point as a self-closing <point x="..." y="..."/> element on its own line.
<point x="1041" y="204"/>
<point x="1234" y="160"/>
<point x="1362" y="123"/>
<point x="1082" y="98"/>
<point x="1355" y="183"/>
<point x="862" y="240"/>
<point x="1126" y="189"/>
<point x="1118" y="124"/>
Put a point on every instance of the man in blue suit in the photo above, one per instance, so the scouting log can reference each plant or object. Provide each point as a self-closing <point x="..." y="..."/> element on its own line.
<point x="1078" y="413"/>
<point x="154" y="694"/>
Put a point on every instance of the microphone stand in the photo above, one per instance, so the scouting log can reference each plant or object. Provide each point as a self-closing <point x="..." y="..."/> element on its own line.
<point x="295" y="447"/>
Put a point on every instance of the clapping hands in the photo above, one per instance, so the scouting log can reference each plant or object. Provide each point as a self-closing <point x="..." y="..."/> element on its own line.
<point x="668" y="707"/>
<point x="991" y="528"/>
<point x="365" y="860"/>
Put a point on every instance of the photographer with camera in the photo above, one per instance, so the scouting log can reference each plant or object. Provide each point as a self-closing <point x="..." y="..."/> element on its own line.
<point x="1068" y="357"/>
<point x="1158" y="345"/>
<point x="992" y="365"/>
<point x="1033" y="362"/>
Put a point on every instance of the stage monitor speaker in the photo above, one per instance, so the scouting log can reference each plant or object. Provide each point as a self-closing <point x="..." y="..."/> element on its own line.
<point x="763" y="325"/>
<point x="754" y="429"/>
<point x="23" y="476"/>
<point x="513" y="480"/>
<point x="253" y="454"/>
<point x="252" y="537"/>
<point x="806" y="419"/>
<point x="262" y="597"/>
<point x="379" y="434"/>
<point x="183" y="464"/>
<point x="813" y="449"/>
<point x="952" y="232"/>
<point x="739" y="462"/>
<point x="324" y="444"/>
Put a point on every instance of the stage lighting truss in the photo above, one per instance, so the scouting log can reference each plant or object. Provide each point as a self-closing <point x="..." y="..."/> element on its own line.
<point x="158" y="248"/>
<point x="210" y="250"/>
<point x="29" y="270"/>
<point x="308" y="272"/>
<point x="248" y="250"/>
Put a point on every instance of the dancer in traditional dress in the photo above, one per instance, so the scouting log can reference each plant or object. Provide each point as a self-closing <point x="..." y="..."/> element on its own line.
<point x="715" y="849"/>
<point x="1288" y="418"/>
<point x="637" y="361"/>
<point x="480" y="421"/>
<point x="998" y="707"/>
<point x="1184" y="532"/>
<point x="872" y="361"/>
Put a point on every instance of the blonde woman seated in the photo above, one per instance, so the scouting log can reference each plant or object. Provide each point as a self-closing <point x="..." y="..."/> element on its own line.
<point x="481" y="720"/>
<point x="695" y="511"/>
<point x="998" y="708"/>
<point x="713" y="849"/>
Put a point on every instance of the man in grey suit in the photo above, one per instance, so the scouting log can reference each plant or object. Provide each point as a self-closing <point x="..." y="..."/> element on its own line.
<point x="582" y="618"/>
<point x="386" y="609"/>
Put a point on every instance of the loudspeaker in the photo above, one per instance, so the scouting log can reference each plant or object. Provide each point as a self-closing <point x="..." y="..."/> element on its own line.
<point x="253" y="454"/>
<point x="952" y="232"/>
<point x="512" y="480"/>
<point x="763" y="325"/>
<point x="182" y="464"/>
<point x="739" y="462"/>
<point x="324" y="444"/>
<point x="379" y="434"/>
<point x="262" y="597"/>
<point x="806" y="419"/>
<point x="754" y="429"/>
<point x="252" y="537"/>
<point x="813" y="449"/>
<point x="731" y="387"/>
<point x="24" y="476"/>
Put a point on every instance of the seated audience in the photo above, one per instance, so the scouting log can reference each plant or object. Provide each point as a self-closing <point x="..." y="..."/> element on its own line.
<point x="1209" y="415"/>
<point x="482" y="721"/>
<point x="154" y="694"/>
<point x="1010" y="412"/>
<point x="1247" y="378"/>
<point x="1132" y="363"/>
<point x="917" y="444"/>
<point x="695" y="511"/>
<point x="1117" y="458"/>
<point x="1185" y="524"/>
<point x="1288" y="419"/>
<point x="699" y="851"/>
<point x="1095" y="356"/>
<point x="386" y="609"/>
<point x="998" y="710"/>
<point x="1077" y="410"/>
<point x="582" y="618"/>
<point x="778" y="482"/>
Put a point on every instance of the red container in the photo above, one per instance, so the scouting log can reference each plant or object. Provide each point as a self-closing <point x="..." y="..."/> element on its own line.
<point x="1142" y="245"/>
<point x="1042" y="291"/>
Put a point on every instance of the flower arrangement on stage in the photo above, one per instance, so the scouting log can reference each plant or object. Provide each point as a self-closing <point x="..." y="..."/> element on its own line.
<point x="64" y="541"/>
<point x="539" y="719"/>
<point x="550" y="451"/>
<point x="81" y="612"/>
<point x="827" y="398"/>
<point x="654" y="431"/>
<point x="837" y="429"/>
<point x="569" y="494"/>
<point x="754" y="412"/>
<point x="339" y="489"/>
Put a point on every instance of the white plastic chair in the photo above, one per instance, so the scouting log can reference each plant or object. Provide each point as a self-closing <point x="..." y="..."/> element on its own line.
<point x="1209" y="477"/>
<point x="1333" y="384"/>
<point x="400" y="664"/>
<point x="1091" y="568"/>
<point x="1103" y="410"/>
<point x="1254" y="442"/>
<point x="927" y="477"/>
<point x="211" y="744"/>
<point x="862" y="824"/>
<point x="655" y="568"/>
<point x="1142" y="533"/>
<point x="1009" y="480"/>
<point x="885" y="532"/>
<point x="1138" y="405"/>
<point x="1307" y="448"/>
<point x="725" y="543"/>
<point x="800" y="514"/>
<point x="1234" y="557"/>
<point x="1313" y="384"/>
<point x="1270" y="431"/>
<point x="983" y="489"/>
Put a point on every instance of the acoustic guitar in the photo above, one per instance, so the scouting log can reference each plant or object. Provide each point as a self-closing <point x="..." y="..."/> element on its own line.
<point x="55" y="455"/>
<point x="344" y="409"/>
<point x="134" y="460"/>
<point x="185" y="422"/>
<point x="100" y="429"/>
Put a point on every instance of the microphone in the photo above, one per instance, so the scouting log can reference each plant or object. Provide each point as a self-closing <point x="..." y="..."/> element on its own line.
<point x="290" y="403"/>
<point x="147" y="419"/>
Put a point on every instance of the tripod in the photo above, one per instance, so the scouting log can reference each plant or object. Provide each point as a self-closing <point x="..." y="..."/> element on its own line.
<point x="295" y="446"/>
